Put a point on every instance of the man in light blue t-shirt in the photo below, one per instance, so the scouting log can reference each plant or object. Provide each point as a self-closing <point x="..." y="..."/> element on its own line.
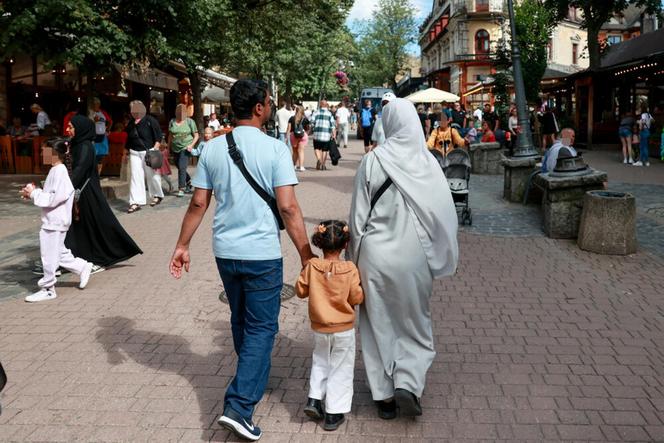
<point x="246" y="243"/>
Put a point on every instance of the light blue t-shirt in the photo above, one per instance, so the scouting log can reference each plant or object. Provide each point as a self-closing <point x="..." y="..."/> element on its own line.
<point x="244" y="227"/>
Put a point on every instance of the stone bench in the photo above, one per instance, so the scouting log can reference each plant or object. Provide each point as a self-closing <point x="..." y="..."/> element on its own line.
<point x="562" y="201"/>
<point x="608" y="223"/>
<point x="486" y="158"/>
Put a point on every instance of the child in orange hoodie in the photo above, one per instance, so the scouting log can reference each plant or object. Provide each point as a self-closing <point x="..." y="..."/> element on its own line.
<point x="333" y="288"/>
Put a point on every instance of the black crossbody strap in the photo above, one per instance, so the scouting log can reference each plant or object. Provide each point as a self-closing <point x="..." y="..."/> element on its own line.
<point x="380" y="193"/>
<point x="236" y="155"/>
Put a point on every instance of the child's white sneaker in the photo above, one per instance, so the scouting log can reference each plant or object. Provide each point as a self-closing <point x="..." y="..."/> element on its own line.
<point x="41" y="295"/>
<point x="85" y="275"/>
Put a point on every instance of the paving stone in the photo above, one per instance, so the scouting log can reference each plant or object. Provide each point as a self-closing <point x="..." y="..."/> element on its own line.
<point x="536" y="340"/>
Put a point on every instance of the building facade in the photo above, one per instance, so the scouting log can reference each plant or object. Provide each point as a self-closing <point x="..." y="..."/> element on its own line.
<point x="458" y="42"/>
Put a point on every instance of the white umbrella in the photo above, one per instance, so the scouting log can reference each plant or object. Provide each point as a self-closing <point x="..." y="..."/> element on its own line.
<point x="432" y="95"/>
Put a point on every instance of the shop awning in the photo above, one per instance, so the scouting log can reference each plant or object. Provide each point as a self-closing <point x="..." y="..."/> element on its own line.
<point x="215" y="94"/>
<point x="150" y="77"/>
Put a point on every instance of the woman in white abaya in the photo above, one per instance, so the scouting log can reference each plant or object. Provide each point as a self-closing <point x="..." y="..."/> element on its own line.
<point x="402" y="245"/>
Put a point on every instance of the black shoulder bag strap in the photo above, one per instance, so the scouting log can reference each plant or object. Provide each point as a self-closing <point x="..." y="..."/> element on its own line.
<point x="379" y="193"/>
<point x="236" y="155"/>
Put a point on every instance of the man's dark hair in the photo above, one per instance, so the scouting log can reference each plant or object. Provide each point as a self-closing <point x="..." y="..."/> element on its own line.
<point x="245" y="94"/>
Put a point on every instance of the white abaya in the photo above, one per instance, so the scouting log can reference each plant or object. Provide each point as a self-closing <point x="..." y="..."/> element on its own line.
<point x="408" y="240"/>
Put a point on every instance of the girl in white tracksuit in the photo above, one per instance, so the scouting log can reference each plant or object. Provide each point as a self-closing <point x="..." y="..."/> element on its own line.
<point x="56" y="201"/>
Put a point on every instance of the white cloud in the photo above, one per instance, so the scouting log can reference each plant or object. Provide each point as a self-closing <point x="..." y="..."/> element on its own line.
<point x="363" y="9"/>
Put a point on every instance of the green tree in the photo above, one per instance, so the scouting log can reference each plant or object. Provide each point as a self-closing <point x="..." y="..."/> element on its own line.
<point x="534" y="24"/>
<point x="384" y="42"/>
<point x="295" y="43"/>
<point x="598" y="12"/>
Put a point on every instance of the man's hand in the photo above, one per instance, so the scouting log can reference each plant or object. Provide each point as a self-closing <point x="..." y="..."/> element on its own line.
<point x="179" y="260"/>
<point x="292" y="215"/>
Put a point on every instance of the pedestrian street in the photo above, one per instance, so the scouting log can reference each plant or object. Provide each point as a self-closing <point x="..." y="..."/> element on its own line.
<point x="536" y="340"/>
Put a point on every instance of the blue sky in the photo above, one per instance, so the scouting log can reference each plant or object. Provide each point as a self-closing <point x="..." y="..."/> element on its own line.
<point x="363" y="10"/>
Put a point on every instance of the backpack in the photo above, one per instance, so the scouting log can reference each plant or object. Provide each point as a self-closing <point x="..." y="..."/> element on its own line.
<point x="299" y="129"/>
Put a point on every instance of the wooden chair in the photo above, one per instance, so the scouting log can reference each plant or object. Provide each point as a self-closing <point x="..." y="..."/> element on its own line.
<point x="22" y="153"/>
<point x="7" y="165"/>
<point x="112" y="163"/>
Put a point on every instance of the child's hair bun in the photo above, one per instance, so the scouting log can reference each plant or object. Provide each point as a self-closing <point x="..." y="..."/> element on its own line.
<point x="331" y="235"/>
<point x="59" y="144"/>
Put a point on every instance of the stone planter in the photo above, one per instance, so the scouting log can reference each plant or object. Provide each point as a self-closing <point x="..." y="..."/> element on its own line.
<point x="608" y="223"/>
<point x="562" y="202"/>
<point x="486" y="158"/>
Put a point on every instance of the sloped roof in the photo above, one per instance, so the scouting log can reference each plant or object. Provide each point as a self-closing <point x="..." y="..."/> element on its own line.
<point x="632" y="16"/>
<point x="635" y="49"/>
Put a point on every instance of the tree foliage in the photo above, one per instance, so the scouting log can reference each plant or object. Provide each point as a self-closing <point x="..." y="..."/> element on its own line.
<point x="598" y="12"/>
<point x="534" y="25"/>
<point x="383" y="43"/>
<point x="298" y="44"/>
<point x="290" y="41"/>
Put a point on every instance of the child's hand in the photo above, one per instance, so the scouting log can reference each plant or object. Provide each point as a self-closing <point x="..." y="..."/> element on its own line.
<point x="27" y="190"/>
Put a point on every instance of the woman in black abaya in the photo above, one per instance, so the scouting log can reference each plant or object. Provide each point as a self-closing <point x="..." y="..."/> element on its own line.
<point x="97" y="236"/>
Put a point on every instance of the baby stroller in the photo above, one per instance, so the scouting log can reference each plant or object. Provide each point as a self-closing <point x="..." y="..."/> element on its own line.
<point x="456" y="166"/>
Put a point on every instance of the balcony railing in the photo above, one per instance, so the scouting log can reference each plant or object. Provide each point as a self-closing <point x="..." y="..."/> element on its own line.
<point x="478" y="57"/>
<point x="479" y="6"/>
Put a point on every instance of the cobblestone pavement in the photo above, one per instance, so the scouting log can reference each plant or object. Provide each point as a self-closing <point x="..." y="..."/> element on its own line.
<point x="537" y="341"/>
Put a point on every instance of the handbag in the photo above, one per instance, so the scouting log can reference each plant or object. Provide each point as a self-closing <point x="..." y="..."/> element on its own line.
<point x="334" y="152"/>
<point x="75" y="210"/>
<point x="154" y="158"/>
<point x="236" y="155"/>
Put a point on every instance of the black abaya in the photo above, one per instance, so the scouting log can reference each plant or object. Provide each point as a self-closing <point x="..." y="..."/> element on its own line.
<point x="98" y="236"/>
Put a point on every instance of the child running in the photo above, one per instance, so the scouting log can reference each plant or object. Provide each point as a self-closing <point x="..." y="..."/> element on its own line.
<point x="333" y="288"/>
<point x="56" y="201"/>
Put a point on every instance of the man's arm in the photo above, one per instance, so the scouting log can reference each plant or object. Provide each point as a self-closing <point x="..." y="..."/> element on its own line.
<point x="200" y="201"/>
<point x="292" y="215"/>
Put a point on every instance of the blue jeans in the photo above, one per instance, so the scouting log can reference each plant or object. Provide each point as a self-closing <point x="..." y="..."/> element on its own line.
<point x="253" y="289"/>
<point x="182" y="161"/>
<point x="644" y="137"/>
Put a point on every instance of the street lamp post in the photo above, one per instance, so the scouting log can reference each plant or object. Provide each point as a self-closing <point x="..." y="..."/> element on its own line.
<point x="524" y="145"/>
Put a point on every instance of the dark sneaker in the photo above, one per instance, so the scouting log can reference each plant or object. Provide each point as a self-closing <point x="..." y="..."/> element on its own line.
<point x="387" y="410"/>
<point x="333" y="421"/>
<point x="407" y="402"/>
<point x="314" y="409"/>
<point x="242" y="428"/>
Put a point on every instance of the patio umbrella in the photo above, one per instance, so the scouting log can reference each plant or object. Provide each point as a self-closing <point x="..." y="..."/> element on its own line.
<point x="432" y="95"/>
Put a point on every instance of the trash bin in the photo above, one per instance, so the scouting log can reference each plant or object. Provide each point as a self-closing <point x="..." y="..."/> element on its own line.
<point x="608" y="223"/>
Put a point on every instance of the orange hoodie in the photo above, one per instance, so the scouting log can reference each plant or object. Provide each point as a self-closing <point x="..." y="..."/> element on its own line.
<point x="333" y="288"/>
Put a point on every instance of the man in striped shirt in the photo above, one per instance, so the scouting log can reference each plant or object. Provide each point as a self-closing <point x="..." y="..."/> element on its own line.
<point x="324" y="132"/>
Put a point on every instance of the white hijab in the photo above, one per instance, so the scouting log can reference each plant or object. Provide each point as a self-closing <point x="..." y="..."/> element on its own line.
<point x="420" y="179"/>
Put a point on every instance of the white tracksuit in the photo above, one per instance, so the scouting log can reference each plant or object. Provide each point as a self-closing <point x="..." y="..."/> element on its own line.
<point x="56" y="201"/>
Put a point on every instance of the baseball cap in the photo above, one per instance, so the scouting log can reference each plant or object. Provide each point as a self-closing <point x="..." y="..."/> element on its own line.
<point x="388" y="96"/>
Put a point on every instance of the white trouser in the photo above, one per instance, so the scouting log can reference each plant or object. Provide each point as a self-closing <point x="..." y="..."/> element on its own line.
<point x="54" y="254"/>
<point x="139" y="172"/>
<point x="343" y="134"/>
<point x="332" y="366"/>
